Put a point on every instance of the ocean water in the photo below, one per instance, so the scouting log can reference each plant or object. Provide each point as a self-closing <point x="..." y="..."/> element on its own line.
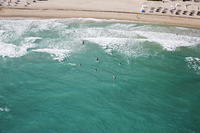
<point x="51" y="81"/>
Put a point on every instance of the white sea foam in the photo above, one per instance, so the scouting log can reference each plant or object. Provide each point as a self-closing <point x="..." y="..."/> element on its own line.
<point x="1" y="109"/>
<point x="5" y="109"/>
<point x="182" y="28"/>
<point x="2" y="32"/>
<point x="31" y="40"/>
<point x="14" y="29"/>
<point x="170" y="41"/>
<point x="57" y="54"/>
<point x="72" y="20"/>
<point x="49" y="24"/>
<point x="13" y="51"/>
<point x="122" y="26"/>
<point x="83" y="20"/>
<point x="126" y="46"/>
<point x="193" y="63"/>
<point x="72" y="64"/>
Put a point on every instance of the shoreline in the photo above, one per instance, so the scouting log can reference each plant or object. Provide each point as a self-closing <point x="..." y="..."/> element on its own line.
<point x="129" y="16"/>
<point x="98" y="9"/>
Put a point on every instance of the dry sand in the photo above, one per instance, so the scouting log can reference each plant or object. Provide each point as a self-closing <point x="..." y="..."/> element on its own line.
<point x="105" y="9"/>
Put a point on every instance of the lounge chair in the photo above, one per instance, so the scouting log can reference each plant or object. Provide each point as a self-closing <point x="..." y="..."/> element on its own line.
<point x="152" y="9"/>
<point x="165" y="10"/>
<point x="178" y="12"/>
<point x="172" y="11"/>
<point x="178" y="5"/>
<point x="187" y="6"/>
<point x="192" y="13"/>
<point x="158" y="9"/>
<point x="185" y="12"/>
<point x="1" y="3"/>
<point x="198" y="13"/>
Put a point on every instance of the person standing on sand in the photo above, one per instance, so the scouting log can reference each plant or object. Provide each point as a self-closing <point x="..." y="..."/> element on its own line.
<point x="27" y="2"/>
<point x="138" y="17"/>
<point x="9" y="2"/>
<point x="16" y="2"/>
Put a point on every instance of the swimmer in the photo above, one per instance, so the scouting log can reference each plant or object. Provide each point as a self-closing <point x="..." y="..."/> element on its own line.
<point x="96" y="70"/>
<point x="120" y="63"/>
<point x="97" y="60"/>
<point x="83" y="42"/>
<point x="114" y="77"/>
<point x="80" y="64"/>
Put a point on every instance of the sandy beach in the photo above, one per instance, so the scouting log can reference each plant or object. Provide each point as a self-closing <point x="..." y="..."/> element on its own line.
<point x="184" y="14"/>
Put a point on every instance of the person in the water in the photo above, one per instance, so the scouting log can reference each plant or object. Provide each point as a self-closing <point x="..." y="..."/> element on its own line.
<point x="83" y="42"/>
<point x="114" y="77"/>
<point x="120" y="63"/>
<point x="97" y="60"/>
<point x="96" y="70"/>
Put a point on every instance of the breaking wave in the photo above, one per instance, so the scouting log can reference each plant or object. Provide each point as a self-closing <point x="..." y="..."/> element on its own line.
<point x="62" y="37"/>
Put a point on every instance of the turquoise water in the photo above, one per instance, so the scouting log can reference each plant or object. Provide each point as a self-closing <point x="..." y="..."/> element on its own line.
<point x="44" y="89"/>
